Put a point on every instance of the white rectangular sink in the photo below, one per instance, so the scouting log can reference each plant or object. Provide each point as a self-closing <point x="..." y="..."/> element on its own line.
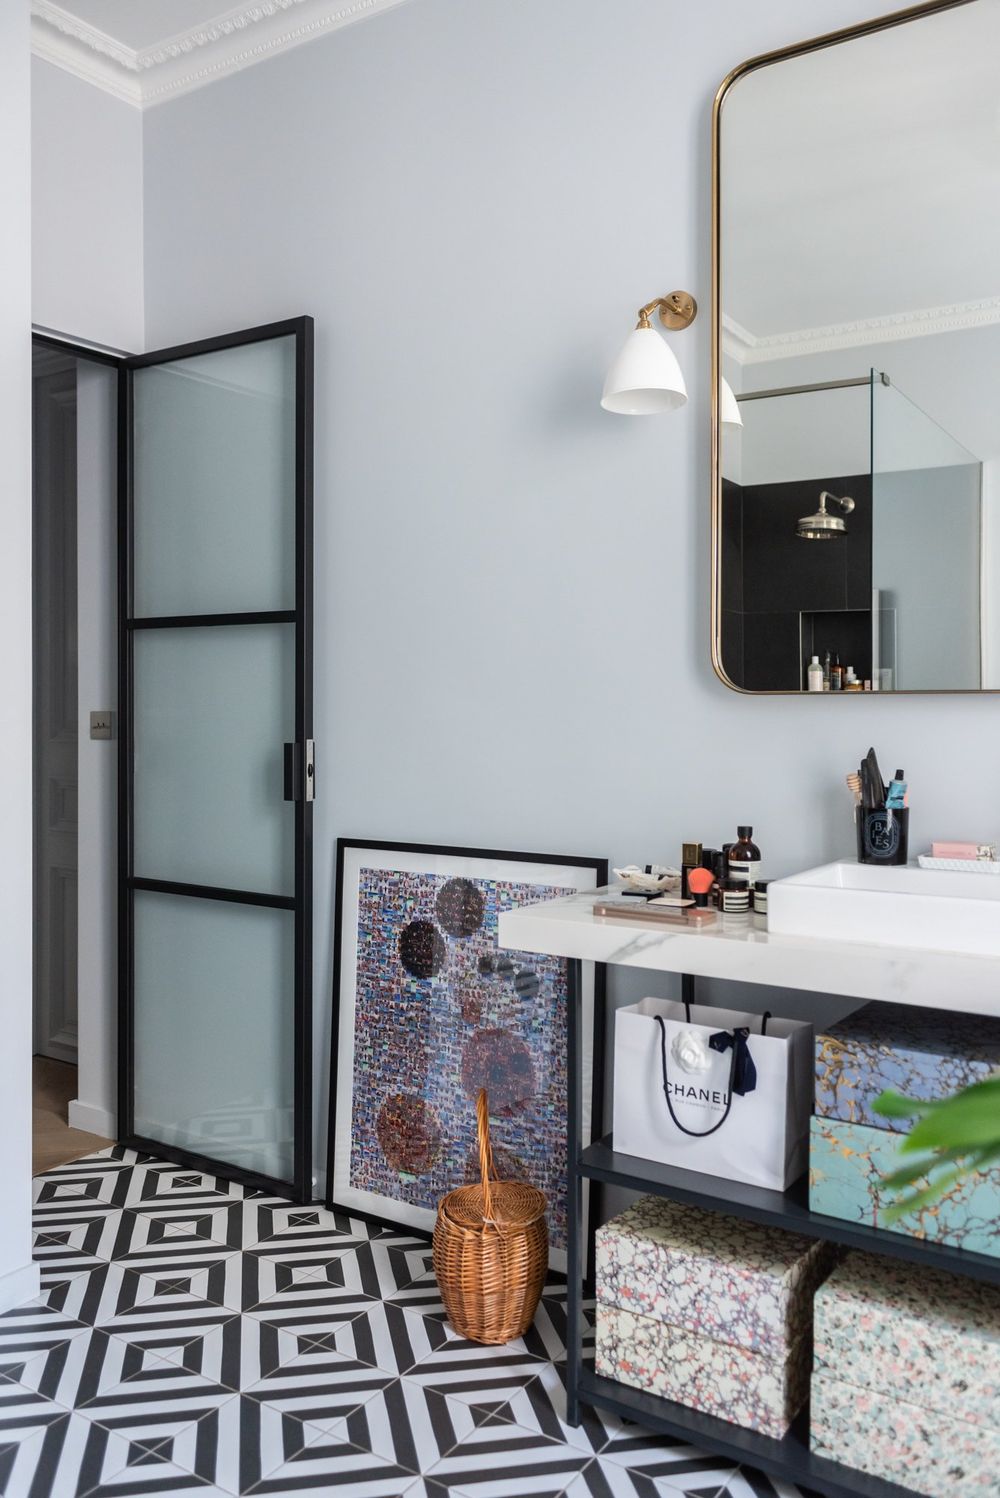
<point x="897" y="907"/>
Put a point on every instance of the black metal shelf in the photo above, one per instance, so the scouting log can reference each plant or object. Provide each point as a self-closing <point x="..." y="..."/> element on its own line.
<point x="789" y="1457"/>
<point x="788" y="1209"/>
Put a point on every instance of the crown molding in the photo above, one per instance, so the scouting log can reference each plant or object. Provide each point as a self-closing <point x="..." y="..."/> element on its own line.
<point x="236" y="39"/>
<point x="746" y="348"/>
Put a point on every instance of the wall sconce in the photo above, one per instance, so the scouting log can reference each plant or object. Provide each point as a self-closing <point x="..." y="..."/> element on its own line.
<point x="646" y="379"/>
<point x="729" y="406"/>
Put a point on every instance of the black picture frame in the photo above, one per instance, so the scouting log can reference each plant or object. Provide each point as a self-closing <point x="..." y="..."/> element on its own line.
<point x="336" y="1198"/>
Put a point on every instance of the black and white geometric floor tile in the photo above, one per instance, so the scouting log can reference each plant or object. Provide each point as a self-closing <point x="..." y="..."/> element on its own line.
<point x="195" y="1337"/>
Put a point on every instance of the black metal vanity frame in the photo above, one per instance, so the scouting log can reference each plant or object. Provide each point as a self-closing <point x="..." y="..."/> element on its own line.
<point x="789" y="1458"/>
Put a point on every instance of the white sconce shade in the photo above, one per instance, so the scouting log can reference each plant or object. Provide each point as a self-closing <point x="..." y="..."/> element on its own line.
<point x="645" y="379"/>
<point x="729" y="406"/>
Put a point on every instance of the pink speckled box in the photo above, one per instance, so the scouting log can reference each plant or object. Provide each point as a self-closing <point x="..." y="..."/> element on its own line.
<point x="906" y="1377"/>
<point x="908" y="1332"/>
<point x="758" y="1392"/>
<point x="737" y="1282"/>
<point x="708" y="1310"/>
<point x="901" y="1442"/>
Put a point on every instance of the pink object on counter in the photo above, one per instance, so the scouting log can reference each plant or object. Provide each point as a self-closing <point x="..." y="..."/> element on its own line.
<point x="954" y="850"/>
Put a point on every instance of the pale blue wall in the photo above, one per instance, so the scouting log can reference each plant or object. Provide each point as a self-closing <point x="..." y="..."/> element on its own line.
<point x="512" y="616"/>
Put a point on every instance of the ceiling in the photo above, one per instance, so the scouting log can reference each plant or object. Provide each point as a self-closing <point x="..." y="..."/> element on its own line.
<point x="148" y="51"/>
<point x="860" y="190"/>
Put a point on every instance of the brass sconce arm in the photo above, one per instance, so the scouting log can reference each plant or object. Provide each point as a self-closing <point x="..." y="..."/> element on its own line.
<point x="678" y="310"/>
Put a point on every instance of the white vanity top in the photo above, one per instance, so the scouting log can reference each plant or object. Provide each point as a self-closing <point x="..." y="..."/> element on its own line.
<point x="742" y="948"/>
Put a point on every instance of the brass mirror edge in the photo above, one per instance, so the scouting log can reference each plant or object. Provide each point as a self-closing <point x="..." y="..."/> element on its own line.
<point x="765" y="59"/>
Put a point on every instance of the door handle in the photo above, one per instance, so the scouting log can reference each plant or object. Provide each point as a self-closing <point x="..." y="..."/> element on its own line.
<point x="300" y="771"/>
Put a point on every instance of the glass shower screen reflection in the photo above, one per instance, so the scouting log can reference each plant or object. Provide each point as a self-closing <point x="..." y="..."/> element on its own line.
<point x="216" y="723"/>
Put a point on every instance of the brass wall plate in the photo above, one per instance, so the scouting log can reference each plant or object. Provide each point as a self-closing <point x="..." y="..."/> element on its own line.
<point x="678" y="310"/>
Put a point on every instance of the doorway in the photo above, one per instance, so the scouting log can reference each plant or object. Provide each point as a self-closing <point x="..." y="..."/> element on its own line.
<point x="173" y="845"/>
<point x="74" y="397"/>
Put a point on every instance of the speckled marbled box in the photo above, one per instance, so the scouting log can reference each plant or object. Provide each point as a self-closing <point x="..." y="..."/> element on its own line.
<point x="923" y="1451"/>
<point x="718" y="1277"/>
<point x="905" y="1332"/>
<point x="919" y="1052"/>
<point x="760" y="1393"/>
<point x="847" y="1163"/>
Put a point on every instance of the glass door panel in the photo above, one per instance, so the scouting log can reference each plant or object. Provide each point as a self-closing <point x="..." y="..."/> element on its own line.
<point x="214" y="973"/>
<point x="213" y="708"/>
<point x="214" y="481"/>
<point x="216" y="802"/>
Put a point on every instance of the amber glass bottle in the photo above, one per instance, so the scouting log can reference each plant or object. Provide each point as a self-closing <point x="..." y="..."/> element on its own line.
<point x="744" y="858"/>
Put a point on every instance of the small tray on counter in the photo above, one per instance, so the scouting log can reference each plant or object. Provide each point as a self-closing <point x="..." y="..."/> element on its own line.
<point x="960" y="865"/>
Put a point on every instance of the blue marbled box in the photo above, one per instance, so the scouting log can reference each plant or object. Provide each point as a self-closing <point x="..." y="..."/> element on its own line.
<point x="847" y="1162"/>
<point x="919" y="1052"/>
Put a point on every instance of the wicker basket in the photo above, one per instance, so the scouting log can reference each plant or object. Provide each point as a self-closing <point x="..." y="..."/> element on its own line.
<point x="491" y="1250"/>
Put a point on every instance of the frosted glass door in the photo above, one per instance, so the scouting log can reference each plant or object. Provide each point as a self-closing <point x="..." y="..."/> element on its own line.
<point x="216" y="755"/>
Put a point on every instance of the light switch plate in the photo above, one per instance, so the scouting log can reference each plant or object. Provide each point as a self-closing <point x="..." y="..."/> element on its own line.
<point x="102" y="724"/>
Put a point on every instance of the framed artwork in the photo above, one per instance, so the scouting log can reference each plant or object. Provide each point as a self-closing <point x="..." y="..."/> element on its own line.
<point x="427" y="1008"/>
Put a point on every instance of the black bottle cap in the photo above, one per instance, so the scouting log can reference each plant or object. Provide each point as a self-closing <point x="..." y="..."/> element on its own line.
<point x="745" y="831"/>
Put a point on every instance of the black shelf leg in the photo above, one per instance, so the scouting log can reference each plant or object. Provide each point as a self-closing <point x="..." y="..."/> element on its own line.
<point x="574" y="1193"/>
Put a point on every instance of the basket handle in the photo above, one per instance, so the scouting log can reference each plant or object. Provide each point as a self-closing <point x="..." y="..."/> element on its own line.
<point x="486" y="1166"/>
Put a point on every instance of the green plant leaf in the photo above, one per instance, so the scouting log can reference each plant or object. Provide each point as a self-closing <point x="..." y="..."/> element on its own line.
<point x="894" y="1105"/>
<point x="918" y="1199"/>
<point x="970" y="1118"/>
<point x="917" y="1169"/>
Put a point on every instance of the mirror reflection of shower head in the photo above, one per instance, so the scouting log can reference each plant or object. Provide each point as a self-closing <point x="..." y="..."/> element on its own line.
<point x="822" y="526"/>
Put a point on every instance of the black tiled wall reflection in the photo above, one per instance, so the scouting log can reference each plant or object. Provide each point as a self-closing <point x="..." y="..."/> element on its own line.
<point x="783" y="598"/>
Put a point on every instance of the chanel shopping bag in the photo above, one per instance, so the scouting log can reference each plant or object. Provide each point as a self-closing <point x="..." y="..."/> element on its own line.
<point x="714" y="1090"/>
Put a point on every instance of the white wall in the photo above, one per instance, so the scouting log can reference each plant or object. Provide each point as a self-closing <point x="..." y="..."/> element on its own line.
<point x="472" y="200"/>
<point x="95" y="1105"/>
<point x="18" y="1276"/>
<point x="86" y="211"/>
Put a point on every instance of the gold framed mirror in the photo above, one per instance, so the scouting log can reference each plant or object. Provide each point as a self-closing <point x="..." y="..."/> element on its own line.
<point x="856" y="360"/>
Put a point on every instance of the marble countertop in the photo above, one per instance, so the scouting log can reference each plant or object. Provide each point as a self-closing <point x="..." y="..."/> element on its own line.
<point x="741" y="948"/>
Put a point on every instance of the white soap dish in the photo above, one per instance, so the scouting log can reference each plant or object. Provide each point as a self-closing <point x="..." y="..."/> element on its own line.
<point x="659" y="879"/>
<point x="960" y="865"/>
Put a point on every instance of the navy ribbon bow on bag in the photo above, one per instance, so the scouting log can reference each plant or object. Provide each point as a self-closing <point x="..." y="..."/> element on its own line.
<point x="744" y="1070"/>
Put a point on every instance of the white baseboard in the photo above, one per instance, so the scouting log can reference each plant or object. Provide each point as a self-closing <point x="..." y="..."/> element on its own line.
<point x="18" y="1286"/>
<point x="92" y="1120"/>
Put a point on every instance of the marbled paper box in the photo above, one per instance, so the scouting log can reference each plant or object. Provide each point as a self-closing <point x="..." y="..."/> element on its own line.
<point x="847" y="1163"/>
<point x="758" y="1392"/>
<point x="922" y="1053"/>
<point x="718" y="1277"/>
<point x="905" y="1332"/>
<point x="902" y="1442"/>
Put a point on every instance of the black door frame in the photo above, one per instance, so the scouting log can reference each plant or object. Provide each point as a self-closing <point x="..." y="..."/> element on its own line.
<point x="302" y="329"/>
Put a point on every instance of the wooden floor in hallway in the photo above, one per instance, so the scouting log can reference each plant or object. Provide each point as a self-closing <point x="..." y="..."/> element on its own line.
<point x="53" y="1142"/>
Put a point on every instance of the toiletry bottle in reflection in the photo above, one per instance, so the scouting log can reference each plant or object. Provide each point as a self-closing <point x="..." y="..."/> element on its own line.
<point x="744" y="858"/>
<point x="826" y="672"/>
<point x="814" y="675"/>
<point x="836" y="676"/>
